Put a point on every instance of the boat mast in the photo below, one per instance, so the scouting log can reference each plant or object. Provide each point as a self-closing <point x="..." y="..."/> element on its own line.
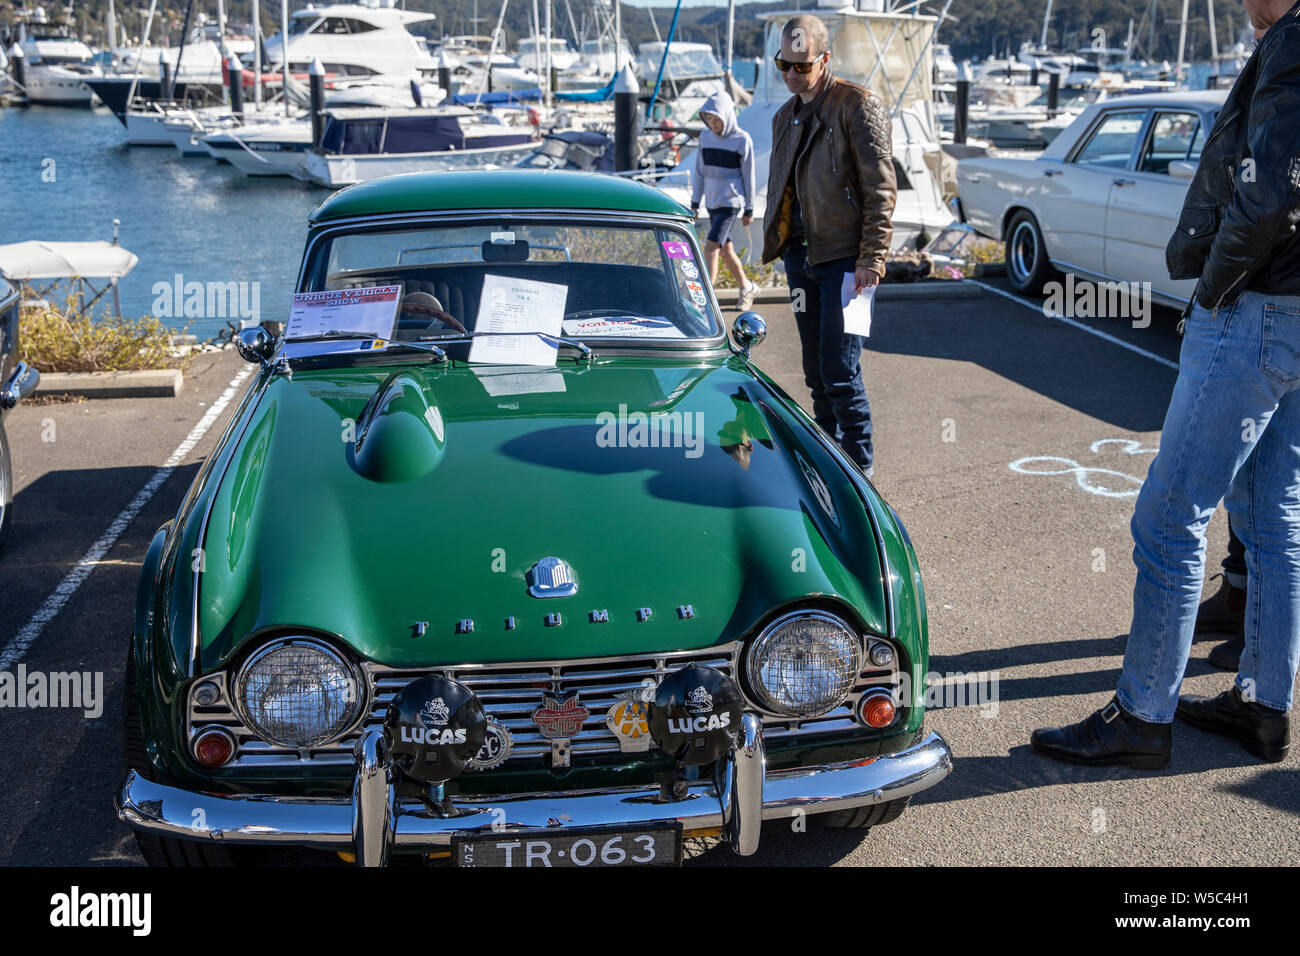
<point x="284" y="55"/>
<point x="144" y="41"/>
<point x="1214" y="46"/>
<point x="547" y="85"/>
<point x="492" y="50"/>
<point x="257" y="55"/>
<point x="731" y="31"/>
<point x="170" y="93"/>
<point x="1047" y="19"/>
<point x="1182" y="42"/>
<point x="618" y="35"/>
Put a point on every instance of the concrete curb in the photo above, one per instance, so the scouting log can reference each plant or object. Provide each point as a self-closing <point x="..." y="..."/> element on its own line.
<point x="931" y="289"/>
<point x="154" y="383"/>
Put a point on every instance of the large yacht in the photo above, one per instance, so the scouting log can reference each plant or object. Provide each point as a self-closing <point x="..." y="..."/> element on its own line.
<point x="353" y="40"/>
<point x="58" y="64"/>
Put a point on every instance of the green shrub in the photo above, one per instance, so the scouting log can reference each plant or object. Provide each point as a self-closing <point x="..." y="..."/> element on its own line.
<point x="64" y="340"/>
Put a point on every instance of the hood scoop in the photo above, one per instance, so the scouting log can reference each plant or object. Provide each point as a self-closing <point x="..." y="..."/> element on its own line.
<point x="400" y="434"/>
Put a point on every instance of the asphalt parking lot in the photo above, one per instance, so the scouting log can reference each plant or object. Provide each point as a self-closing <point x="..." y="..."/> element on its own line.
<point x="1011" y="444"/>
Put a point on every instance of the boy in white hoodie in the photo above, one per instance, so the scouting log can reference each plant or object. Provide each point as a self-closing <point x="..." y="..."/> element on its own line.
<point x="724" y="178"/>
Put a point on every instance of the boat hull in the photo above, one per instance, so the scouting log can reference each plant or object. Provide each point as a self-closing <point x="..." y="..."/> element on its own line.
<point x="337" y="170"/>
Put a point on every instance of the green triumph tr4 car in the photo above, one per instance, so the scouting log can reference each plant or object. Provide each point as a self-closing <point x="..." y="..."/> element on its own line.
<point x="510" y="555"/>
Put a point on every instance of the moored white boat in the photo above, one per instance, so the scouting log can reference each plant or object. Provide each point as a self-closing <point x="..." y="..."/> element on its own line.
<point x="264" y="149"/>
<point x="57" y="63"/>
<point x="364" y="144"/>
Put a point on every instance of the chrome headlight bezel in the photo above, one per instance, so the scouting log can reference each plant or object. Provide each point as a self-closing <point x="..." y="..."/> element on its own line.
<point x="359" y="706"/>
<point x="754" y="659"/>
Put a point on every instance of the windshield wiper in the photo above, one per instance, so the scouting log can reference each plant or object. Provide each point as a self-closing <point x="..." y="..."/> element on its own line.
<point x="583" y="349"/>
<point x="439" y="355"/>
<point x="336" y="335"/>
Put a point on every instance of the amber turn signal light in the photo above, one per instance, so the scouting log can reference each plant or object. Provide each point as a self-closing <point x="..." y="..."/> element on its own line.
<point x="212" y="748"/>
<point x="877" y="711"/>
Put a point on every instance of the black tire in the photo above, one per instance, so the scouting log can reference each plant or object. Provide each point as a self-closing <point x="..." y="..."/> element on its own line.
<point x="863" y="818"/>
<point x="159" y="850"/>
<point x="1028" y="265"/>
<point x="6" y="486"/>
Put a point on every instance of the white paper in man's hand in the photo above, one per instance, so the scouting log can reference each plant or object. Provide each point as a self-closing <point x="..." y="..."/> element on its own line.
<point x="857" y="306"/>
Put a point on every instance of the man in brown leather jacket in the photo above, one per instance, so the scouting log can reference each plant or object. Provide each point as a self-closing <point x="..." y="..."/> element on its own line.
<point x="830" y="195"/>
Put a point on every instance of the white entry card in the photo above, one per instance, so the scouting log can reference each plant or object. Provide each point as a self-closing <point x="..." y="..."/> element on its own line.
<point x="857" y="306"/>
<point x="369" y="311"/>
<point x="518" y="305"/>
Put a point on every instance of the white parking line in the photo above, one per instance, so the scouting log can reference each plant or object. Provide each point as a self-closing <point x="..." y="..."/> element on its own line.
<point x="1079" y="325"/>
<point x="59" y="597"/>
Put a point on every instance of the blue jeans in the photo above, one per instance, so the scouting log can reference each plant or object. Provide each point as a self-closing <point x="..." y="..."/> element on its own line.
<point x="1232" y="431"/>
<point x="831" y="359"/>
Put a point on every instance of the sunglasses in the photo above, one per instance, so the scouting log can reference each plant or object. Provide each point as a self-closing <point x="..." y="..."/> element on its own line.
<point x="785" y="65"/>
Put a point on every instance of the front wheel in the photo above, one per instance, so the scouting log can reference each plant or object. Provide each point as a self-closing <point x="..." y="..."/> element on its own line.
<point x="161" y="850"/>
<point x="863" y="818"/>
<point x="1028" y="266"/>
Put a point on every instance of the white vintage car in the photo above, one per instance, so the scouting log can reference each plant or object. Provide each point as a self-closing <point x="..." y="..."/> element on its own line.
<point x="1102" y="200"/>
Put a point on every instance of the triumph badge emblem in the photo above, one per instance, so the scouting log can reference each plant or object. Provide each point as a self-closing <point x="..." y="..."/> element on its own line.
<point x="551" y="577"/>
<point x="559" y="719"/>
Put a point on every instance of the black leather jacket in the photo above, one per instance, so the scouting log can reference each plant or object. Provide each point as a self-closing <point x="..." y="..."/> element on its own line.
<point x="1238" y="226"/>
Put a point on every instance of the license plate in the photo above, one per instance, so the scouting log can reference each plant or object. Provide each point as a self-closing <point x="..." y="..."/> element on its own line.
<point x="642" y="846"/>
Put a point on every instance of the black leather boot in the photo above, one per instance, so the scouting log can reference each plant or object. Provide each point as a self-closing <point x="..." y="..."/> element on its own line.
<point x="1223" y="612"/>
<point x="1228" y="654"/>
<point x="1261" y="730"/>
<point x="1110" y="736"/>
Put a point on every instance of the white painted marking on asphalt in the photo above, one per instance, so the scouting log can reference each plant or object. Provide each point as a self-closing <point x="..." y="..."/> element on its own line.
<point x="59" y="597"/>
<point x="1081" y="472"/>
<point x="1079" y="325"/>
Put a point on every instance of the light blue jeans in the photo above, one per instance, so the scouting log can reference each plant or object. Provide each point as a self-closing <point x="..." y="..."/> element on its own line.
<point x="1232" y="432"/>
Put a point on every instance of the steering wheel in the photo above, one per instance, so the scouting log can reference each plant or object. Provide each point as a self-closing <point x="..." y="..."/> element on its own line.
<point x="441" y="316"/>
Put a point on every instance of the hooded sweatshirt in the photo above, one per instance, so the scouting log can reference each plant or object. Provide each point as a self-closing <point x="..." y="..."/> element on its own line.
<point x="724" y="165"/>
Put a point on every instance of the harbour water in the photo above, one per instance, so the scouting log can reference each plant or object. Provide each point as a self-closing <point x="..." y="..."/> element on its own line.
<point x="193" y="217"/>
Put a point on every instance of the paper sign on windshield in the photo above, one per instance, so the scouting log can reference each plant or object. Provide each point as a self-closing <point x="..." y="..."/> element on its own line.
<point x="518" y="305"/>
<point x="370" y="311"/>
<point x="624" y="326"/>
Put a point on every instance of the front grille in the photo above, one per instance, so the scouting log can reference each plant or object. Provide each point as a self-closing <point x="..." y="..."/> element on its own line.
<point x="512" y="692"/>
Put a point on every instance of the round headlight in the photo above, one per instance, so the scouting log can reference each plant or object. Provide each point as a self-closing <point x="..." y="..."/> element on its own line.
<point x="298" y="694"/>
<point x="803" y="664"/>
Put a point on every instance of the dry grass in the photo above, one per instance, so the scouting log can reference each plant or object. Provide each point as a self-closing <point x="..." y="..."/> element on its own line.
<point x="61" y="340"/>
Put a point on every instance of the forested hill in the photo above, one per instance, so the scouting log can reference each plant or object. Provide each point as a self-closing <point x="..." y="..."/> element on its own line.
<point x="976" y="28"/>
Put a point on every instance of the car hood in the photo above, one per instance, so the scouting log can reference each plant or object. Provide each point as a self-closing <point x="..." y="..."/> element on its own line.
<point x="360" y="502"/>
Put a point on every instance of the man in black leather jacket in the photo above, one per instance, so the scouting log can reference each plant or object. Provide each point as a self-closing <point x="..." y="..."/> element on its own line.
<point x="1232" y="429"/>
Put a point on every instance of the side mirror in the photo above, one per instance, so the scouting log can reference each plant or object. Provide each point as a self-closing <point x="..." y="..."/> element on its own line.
<point x="749" y="330"/>
<point x="1182" y="169"/>
<point x="255" y="345"/>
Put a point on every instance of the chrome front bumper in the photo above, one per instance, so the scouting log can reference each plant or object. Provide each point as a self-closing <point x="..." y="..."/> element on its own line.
<point x="739" y="797"/>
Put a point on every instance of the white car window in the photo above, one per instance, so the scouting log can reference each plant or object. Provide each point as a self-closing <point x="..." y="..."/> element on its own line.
<point x="1112" y="141"/>
<point x="1173" y="136"/>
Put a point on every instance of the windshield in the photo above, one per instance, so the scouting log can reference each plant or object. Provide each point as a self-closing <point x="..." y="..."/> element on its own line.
<point x="608" y="281"/>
